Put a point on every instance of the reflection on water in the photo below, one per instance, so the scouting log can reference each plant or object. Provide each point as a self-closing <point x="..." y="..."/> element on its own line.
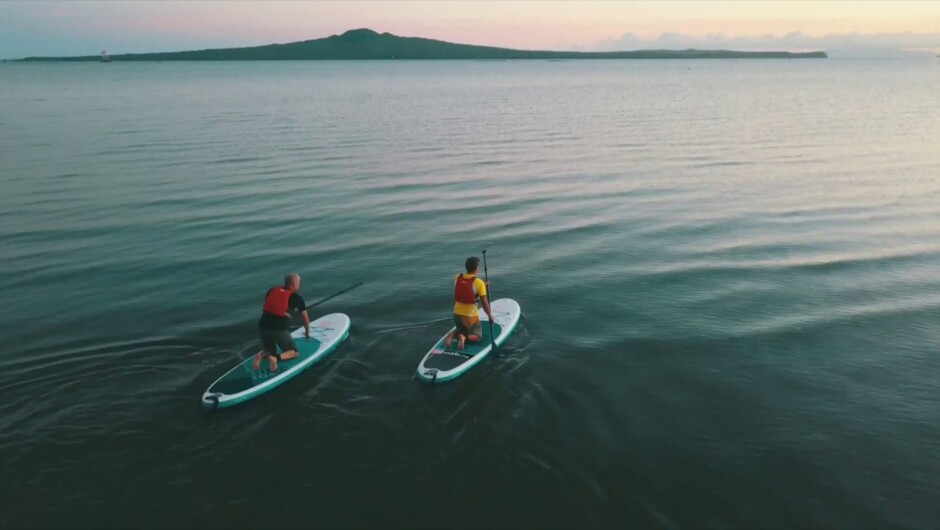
<point x="726" y="272"/>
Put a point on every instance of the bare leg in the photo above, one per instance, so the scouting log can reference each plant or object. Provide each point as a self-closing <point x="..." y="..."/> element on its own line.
<point x="449" y="340"/>
<point x="473" y="338"/>
<point x="461" y="341"/>
<point x="256" y="364"/>
<point x="286" y="356"/>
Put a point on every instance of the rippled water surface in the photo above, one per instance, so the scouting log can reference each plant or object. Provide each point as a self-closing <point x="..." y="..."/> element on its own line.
<point x="728" y="271"/>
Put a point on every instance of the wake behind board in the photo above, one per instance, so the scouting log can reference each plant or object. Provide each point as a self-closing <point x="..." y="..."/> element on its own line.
<point x="442" y="364"/>
<point x="243" y="383"/>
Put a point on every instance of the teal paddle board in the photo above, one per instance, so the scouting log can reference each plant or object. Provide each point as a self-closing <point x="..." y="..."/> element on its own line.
<point x="443" y="364"/>
<point x="243" y="382"/>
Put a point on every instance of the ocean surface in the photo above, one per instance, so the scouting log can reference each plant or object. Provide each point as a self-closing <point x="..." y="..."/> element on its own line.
<point x="729" y="273"/>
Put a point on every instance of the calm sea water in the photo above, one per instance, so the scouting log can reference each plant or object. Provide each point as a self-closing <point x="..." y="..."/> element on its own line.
<point x="728" y="271"/>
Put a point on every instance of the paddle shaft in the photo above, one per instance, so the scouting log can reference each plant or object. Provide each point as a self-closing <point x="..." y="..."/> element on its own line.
<point x="489" y="298"/>
<point x="332" y="296"/>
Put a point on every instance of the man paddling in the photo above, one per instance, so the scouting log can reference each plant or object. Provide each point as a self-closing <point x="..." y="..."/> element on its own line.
<point x="279" y="303"/>
<point x="467" y="290"/>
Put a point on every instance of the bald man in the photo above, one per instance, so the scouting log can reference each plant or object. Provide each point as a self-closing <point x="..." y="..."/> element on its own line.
<point x="279" y="303"/>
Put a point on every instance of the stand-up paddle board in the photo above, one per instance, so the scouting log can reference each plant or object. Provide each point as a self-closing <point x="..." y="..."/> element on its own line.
<point x="243" y="382"/>
<point x="443" y="364"/>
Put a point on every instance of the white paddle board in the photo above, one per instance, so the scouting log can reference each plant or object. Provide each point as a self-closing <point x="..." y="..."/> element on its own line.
<point x="443" y="364"/>
<point x="243" y="382"/>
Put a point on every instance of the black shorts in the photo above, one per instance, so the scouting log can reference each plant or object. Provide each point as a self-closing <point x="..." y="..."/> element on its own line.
<point x="272" y="338"/>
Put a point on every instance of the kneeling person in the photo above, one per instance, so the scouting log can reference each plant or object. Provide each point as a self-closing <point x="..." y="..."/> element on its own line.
<point x="467" y="289"/>
<point x="273" y="327"/>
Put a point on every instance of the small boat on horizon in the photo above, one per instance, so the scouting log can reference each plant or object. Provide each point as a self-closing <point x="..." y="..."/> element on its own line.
<point x="105" y="58"/>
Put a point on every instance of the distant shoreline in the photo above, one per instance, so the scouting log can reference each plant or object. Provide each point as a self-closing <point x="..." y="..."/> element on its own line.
<point x="365" y="44"/>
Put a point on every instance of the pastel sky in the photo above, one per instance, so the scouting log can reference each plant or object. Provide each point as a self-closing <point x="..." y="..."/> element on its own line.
<point x="39" y="27"/>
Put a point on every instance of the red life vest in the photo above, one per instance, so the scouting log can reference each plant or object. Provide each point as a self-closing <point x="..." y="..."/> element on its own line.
<point x="463" y="290"/>
<point x="276" y="301"/>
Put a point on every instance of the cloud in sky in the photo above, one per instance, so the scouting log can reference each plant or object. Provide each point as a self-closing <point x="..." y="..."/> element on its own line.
<point x="837" y="45"/>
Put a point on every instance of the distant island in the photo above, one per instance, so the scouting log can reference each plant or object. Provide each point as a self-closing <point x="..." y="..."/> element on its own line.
<point x="365" y="44"/>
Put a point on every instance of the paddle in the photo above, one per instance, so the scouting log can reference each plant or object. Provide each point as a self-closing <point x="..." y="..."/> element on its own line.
<point x="332" y="296"/>
<point x="416" y="326"/>
<point x="489" y="295"/>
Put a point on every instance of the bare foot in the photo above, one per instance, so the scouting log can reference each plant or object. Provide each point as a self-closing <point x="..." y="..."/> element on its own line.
<point x="449" y="340"/>
<point x="256" y="364"/>
<point x="272" y="363"/>
<point x="461" y="341"/>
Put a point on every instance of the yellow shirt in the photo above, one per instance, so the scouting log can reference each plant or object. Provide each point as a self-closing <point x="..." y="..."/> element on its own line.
<point x="479" y="287"/>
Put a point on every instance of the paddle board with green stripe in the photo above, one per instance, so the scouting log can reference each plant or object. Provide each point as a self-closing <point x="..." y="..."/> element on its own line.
<point x="243" y="382"/>
<point x="443" y="364"/>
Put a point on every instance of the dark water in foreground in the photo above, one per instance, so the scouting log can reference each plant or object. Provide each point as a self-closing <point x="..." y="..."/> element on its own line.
<point x="728" y="270"/>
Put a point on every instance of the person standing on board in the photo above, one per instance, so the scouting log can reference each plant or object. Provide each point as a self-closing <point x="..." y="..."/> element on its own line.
<point x="467" y="290"/>
<point x="279" y="303"/>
